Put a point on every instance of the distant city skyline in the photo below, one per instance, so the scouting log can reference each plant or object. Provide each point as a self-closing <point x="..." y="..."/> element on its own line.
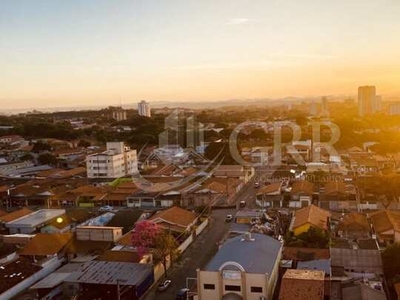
<point x="102" y="52"/>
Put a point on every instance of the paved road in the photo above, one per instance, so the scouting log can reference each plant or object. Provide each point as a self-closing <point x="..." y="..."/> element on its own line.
<point x="196" y="256"/>
<point x="206" y="245"/>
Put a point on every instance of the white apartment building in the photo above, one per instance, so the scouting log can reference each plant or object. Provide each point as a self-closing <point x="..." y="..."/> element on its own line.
<point x="119" y="115"/>
<point x="394" y="109"/>
<point x="144" y="109"/>
<point x="117" y="161"/>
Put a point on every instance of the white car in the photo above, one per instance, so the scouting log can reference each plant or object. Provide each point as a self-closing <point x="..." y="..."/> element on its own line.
<point x="256" y="184"/>
<point x="106" y="208"/>
<point x="162" y="286"/>
<point x="228" y="218"/>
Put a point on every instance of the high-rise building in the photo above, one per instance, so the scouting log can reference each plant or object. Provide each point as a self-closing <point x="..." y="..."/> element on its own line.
<point x="117" y="161"/>
<point x="119" y="115"/>
<point x="394" y="109"/>
<point x="324" y="106"/>
<point x="313" y="108"/>
<point x="144" y="109"/>
<point x="368" y="102"/>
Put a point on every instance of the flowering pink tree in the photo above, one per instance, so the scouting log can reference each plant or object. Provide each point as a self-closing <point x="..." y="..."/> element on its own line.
<point x="144" y="236"/>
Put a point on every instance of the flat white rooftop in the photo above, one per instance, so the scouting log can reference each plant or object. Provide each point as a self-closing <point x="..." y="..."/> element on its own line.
<point x="36" y="218"/>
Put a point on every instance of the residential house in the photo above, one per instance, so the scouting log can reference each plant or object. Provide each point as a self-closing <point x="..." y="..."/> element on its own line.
<point x="84" y="250"/>
<point x="301" y="194"/>
<point x="270" y="195"/>
<point x="46" y="245"/>
<point x="8" y="217"/>
<point x="61" y="224"/>
<point x="146" y="199"/>
<point x="245" y="267"/>
<point x="310" y="216"/>
<point x="386" y="225"/>
<point x="234" y="171"/>
<point x="363" y="164"/>
<point x="338" y="195"/>
<point x="11" y="139"/>
<point x="213" y="191"/>
<point x="34" y="221"/>
<point x="354" y="226"/>
<point x="175" y="219"/>
<point x="302" y="285"/>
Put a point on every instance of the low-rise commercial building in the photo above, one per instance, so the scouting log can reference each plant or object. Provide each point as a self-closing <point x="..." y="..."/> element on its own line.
<point x="245" y="267"/>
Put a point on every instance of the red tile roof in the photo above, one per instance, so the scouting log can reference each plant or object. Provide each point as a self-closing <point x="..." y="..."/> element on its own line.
<point x="15" y="215"/>
<point x="313" y="215"/>
<point x="46" y="244"/>
<point x="302" y="187"/>
<point x="175" y="215"/>
<point x="355" y="218"/>
<point x="386" y="220"/>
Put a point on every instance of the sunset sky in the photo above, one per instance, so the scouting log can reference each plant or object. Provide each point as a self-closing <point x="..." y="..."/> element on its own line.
<point x="89" y="52"/>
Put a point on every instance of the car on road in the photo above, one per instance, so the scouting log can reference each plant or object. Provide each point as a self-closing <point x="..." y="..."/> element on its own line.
<point x="228" y="218"/>
<point x="182" y="294"/>
<point x="242" y="204"/>
<point x="162" y="286"/>
<point x="106" y="208"/>
<point x="256" y="184"/>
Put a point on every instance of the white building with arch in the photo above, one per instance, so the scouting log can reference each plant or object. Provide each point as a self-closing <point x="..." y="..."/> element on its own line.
<point x="245" y="267"/>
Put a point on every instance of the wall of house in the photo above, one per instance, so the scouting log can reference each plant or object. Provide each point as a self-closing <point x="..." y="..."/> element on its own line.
<point x="397" y="237"/>
<point x="303" y="228"/>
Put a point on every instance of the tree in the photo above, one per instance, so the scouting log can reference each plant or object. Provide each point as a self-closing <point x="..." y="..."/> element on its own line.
<point x="144" y="235"/>
<point x="84" y="143"/>
<point x="165" y="245"/>
<point x="26" y="157"/>
<point x="391" y="261"/>
<point x="213" y="149"/>
<point x="40" y="146"/>
<point x="313" y="238"/>
<point x="47" y="159"/>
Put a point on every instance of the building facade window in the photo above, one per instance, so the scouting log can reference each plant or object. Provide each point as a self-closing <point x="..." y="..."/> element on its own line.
<point x="256" y="289"/>
<point x="233" y="288"/>
<point x="209" y="286"/>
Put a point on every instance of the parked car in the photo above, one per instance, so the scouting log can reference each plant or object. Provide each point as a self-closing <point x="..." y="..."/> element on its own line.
<point x="256" y="184"/>
<point x="242" y="204"/>
<point x="162" y="286"/>
<point x="106" y="208"/>
<point x="228" y="218"/>
<point x="182" y="294"/>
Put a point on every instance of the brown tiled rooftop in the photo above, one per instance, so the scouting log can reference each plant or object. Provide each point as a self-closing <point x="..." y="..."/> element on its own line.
<point x="15" y="215"/>
<point x="313" y="215"/>
<point x="46" y="244"/>
<point x="176" y="215"/>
